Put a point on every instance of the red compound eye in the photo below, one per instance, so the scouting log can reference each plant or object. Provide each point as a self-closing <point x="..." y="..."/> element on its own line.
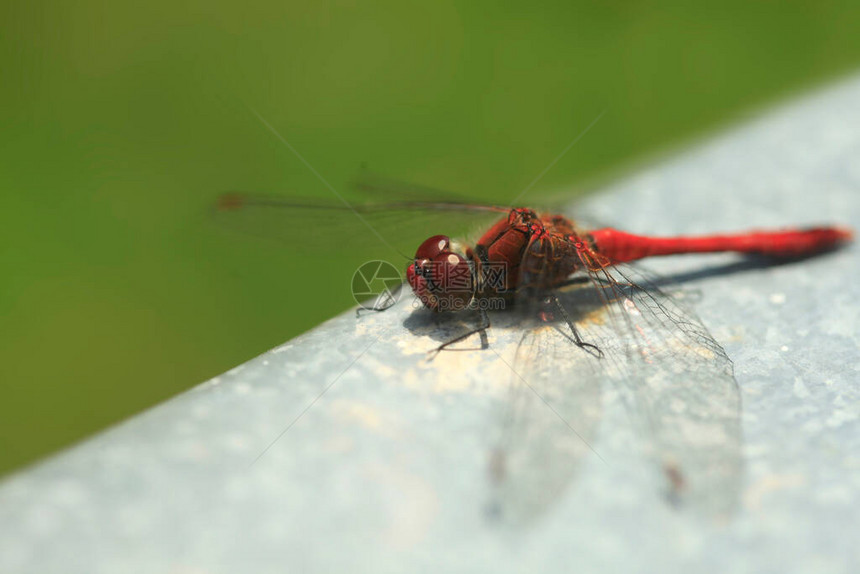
<point x="440" y="278"/>
<point x="432" y="247"/>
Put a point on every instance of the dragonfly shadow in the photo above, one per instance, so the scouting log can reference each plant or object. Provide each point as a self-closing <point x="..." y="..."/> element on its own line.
<point x="745" y="264"/>
<point x="443" y="327"/>
<point x="579" y="300"/>
<point x="438" y="326"/>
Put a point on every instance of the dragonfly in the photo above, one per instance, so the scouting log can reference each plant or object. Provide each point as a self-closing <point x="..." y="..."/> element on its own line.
<point x="588" y="315"/>
<point x="532" y="253"/>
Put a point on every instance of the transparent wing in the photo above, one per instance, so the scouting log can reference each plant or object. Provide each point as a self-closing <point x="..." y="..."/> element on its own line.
<point x="378" y="189"/>
<point x="548" y="428"/>
<point x="370" y="221"/>
<point x="676" y="378"/>
<point x="681" y="380"/>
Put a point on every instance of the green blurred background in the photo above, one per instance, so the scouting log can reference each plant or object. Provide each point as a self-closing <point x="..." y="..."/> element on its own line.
<point x="121" y="124"/>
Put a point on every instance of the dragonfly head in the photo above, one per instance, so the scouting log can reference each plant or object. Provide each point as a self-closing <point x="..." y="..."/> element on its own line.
<point x="440" y="277"/>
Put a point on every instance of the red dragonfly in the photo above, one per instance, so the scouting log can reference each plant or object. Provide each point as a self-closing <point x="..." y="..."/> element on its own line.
<point x="527" y="251"/>
<point x="634" y="334"/>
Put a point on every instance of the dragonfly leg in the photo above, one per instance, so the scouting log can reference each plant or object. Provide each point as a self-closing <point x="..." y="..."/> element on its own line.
<point x="577" y="338"/>
<point x="482" y="329"/>
<point x="383" y="302"/>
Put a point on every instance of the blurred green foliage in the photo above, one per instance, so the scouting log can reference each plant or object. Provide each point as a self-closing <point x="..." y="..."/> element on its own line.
<point x="122" y="123"/>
